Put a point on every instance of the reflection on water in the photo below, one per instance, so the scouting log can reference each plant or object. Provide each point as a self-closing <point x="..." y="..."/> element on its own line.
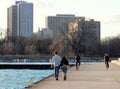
<point x="18" y="79"/>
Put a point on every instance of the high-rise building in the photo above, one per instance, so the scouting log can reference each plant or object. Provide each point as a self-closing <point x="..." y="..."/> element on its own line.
<point x="12" y="21"/>
<point x="60" y="22"/>
<point x="93" y="26"/>
<point x="20" y="19"/>
<point x="87" y="25"/>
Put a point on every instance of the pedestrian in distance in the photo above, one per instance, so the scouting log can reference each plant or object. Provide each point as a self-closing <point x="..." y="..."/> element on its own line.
<point x="64" y="66"/>
<point x="77" y="60"/>
<point x="56" y="61"/>
<point x="106" y="60"/>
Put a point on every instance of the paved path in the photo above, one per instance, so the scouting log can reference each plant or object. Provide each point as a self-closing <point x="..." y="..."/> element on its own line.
<point x="89" y="76"/>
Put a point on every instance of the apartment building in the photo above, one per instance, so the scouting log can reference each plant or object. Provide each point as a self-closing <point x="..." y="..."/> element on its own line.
<point x="88" y="25"/>
<point x="60" y="22"/>
<point x="20" y="19"/>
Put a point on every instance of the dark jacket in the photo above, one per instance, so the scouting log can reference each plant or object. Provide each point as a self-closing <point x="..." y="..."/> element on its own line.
<point x="106" y="58"/>
<point x="64" y="61"/>
<point x="78" y="58"/>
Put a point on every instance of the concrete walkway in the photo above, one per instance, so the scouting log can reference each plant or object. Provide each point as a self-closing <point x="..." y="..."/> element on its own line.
<point x="89" y="76"/>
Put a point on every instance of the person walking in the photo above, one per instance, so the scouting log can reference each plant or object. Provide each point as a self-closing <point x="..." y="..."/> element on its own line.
<point x="106" y="60"/>
<point x="56" y="60"/>
<point x="64" y="65"/>
<point x="77" y="60"/>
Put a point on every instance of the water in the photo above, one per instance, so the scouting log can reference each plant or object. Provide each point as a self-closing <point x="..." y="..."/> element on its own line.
<point x="19" y="79"/>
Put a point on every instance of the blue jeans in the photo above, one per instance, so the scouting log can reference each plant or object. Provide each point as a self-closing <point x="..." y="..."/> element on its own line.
<point x="57" y="71"/>
<point x="64" y="71"/>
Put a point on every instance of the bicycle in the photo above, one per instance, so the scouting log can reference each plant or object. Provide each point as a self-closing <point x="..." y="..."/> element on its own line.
<point x="107" y="65"/>
<point x="106" y="59"/>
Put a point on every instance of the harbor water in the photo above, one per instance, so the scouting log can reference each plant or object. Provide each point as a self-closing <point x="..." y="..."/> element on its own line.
<point x="21" y="78"/>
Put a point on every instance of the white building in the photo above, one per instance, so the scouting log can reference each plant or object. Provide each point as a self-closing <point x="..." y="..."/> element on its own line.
<point x="20" y="19"/>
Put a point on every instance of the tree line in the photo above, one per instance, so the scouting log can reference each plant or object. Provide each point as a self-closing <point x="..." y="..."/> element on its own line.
<point x="69" y="43"/>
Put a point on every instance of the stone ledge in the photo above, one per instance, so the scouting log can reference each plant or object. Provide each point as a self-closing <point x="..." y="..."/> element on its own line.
<point x="117" y="62"/>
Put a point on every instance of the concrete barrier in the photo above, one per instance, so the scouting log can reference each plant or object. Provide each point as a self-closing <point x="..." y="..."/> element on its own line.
<point x="119" y="59"/>
<point x="117" y="62"/>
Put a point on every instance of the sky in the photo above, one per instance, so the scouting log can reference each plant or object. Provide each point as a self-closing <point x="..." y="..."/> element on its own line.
<point x="105" y="11"/>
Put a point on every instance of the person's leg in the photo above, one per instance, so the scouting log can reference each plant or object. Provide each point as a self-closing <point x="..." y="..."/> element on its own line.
<point x="76" y="65"/>
<point x="79" y="63"/>
<point x="65" y="73"/>
<point x="56" y="72"/>
<point x="108" y="64"/>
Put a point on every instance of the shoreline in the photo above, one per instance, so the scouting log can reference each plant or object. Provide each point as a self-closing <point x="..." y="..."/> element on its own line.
<point x="29" y="86"/>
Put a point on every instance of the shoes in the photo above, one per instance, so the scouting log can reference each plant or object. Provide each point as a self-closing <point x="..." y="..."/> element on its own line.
<point x="56" y="78"/>
<point x="65" y="78"/>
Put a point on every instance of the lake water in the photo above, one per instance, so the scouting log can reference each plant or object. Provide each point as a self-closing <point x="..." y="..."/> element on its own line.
<point x="20" y="78"/>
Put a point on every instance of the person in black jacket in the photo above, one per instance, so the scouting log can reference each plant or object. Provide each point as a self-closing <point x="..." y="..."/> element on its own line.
<point x="77" y="60"/>
<point x="64" y="64"/>
<point x="106" y="60"/>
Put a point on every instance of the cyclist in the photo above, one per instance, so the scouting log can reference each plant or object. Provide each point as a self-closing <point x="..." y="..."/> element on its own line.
<point x="106" y="60"/>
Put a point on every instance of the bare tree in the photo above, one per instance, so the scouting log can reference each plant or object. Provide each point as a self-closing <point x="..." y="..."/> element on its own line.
<point x="70" y="39"/>
<point x="77" y="37"/>
<point x="111" y="46"/>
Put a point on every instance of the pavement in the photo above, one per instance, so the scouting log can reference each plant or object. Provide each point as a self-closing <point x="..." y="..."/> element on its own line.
<point x="89" y="76"/>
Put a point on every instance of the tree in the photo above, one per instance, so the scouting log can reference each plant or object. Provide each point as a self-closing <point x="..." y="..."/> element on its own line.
<point x="111" y="46"/>
<point x="75" y="37"/>
<point x="18" y="45"/>
<point x="42" y="46"/>
<point x="2" y="47"/>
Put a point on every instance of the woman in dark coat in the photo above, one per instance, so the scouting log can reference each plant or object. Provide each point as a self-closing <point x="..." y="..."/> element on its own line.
<point x="64" y="64"/>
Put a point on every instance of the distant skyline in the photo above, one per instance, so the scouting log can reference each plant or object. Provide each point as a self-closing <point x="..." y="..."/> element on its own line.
<point x="105" y="11"/>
